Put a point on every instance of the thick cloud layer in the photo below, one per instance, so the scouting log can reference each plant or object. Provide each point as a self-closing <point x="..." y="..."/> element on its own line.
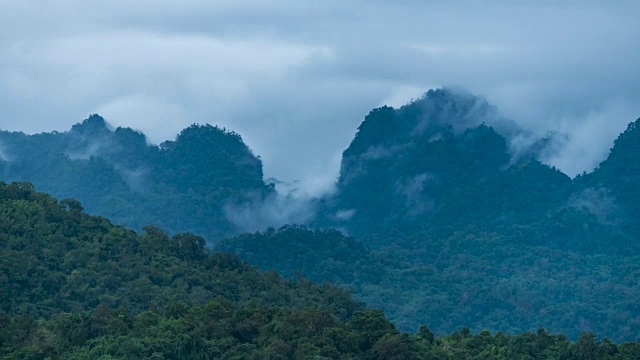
<point x="295" y="78"/>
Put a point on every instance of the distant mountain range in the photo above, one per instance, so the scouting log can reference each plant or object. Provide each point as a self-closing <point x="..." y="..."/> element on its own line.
<point x="181" y="185"/>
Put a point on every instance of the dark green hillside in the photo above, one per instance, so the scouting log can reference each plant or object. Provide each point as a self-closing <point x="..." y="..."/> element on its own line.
<point x="55" y="258"/>
<point x="74" y="286"/>
<point x="182" y="185"/>
<point x="93" y="279"/>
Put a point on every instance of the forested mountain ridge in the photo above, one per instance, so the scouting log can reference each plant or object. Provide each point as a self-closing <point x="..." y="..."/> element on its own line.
<point x="444" y="154"/>
<point x="448" y="162"/>
<point x="181" y="185"/>
<point x="74" y="286"/>
<point x="464" y="228"/>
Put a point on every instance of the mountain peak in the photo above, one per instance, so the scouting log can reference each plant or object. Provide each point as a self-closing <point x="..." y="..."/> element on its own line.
<point x="438" y="114"/>
<point x="93" y="124"/>
<point x="624" y="154"/>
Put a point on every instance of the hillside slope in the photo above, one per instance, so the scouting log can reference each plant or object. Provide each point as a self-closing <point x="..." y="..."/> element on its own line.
<point x="74" y="286"/>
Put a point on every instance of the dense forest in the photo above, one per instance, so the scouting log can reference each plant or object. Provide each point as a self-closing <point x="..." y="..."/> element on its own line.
<point x="74" y="286"/>
<point x="446" y="220"/>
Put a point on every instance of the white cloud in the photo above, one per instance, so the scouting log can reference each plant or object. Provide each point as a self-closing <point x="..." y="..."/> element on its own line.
<point x="136" y="111"/>
<point x="589" y="138"/>
<point x="401" y="94"/>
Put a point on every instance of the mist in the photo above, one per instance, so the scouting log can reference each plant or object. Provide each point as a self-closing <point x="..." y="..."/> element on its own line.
<point x="275" y="210"/>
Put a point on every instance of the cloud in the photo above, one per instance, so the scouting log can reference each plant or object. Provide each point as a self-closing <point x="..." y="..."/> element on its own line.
<point x="135" y="110"/>
<point x="136" y="179"/>
<point x="275" y="211"/>
<point x="412" y="190"/>
<point x="4" y="153"/>
<point x="588" y="139"/>
<point x="598" y="202"/>
<point x="295" y="78"/>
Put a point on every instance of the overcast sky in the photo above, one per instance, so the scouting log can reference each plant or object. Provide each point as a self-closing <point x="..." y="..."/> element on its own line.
<point x="295" y="78"/>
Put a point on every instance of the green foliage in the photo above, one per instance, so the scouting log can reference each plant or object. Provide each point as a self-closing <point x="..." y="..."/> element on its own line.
<point x="253" y="332"/>
<point x="55" y="258"/>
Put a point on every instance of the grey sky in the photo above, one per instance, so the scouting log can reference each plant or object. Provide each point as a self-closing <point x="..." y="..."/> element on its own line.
<point x="295" y="78"/>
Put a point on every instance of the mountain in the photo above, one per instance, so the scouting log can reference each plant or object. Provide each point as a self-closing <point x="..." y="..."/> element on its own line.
<point x="438" y="161"/>
<point x="181" y="185"/>
<point x="449" y="162"/>
<point x="458" y="226"/>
